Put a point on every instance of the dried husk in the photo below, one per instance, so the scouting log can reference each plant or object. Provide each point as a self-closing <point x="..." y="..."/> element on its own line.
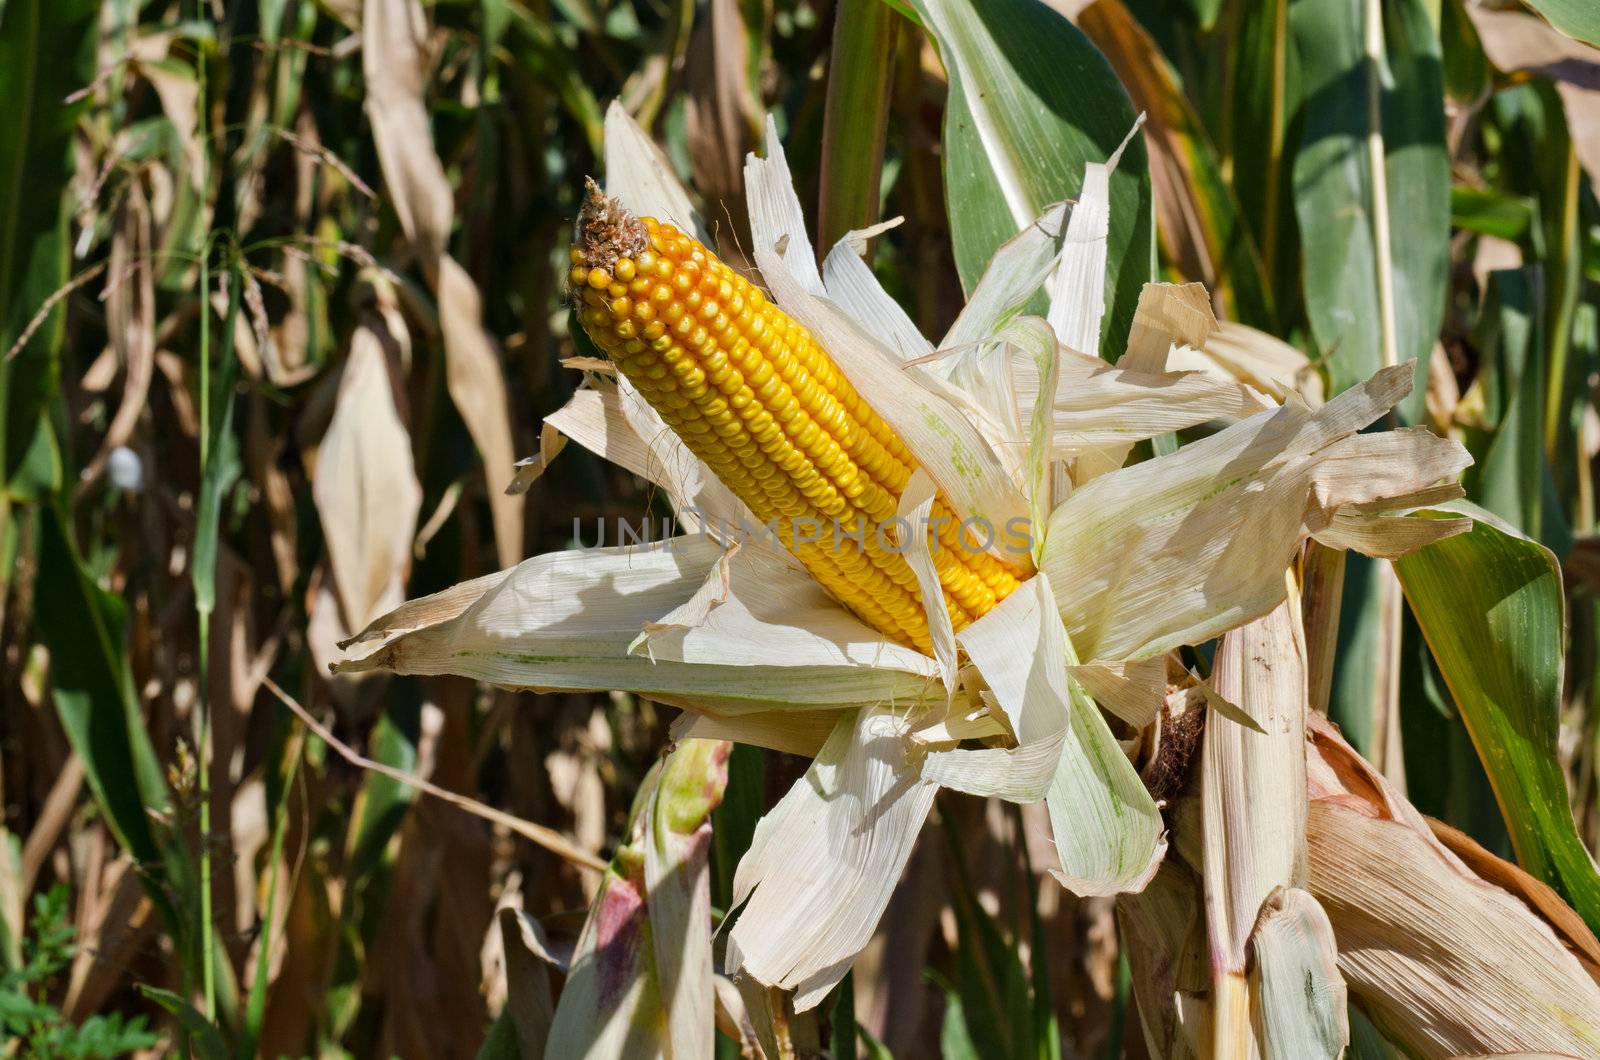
<point x="1444" y="961"/>
<point x="1253" y="798"/>
<point x="824" y="861"/>
<point x="1204" y="534"/>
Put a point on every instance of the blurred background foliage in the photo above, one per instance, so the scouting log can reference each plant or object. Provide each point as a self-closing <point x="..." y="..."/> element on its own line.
<point x="254" y="394"/>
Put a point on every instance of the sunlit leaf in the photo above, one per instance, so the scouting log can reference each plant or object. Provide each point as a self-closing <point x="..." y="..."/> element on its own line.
<point x="1019" y="131"/>
<point x="1490" y="603"/>
<point x="1490" y="213"/>
<point x="1575" y="18"/>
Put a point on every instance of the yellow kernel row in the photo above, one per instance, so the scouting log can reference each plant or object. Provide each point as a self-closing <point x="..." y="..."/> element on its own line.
<point x="753" y="396"/>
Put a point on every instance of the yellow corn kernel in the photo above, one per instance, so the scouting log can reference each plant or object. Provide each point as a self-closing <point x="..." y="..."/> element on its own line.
<point x="753" y="395"/>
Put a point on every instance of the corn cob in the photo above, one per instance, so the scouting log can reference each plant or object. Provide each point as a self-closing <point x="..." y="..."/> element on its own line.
<point x="754" y="397"/>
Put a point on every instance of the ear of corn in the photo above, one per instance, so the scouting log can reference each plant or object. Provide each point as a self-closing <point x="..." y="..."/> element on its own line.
<point x="753" y="396"/>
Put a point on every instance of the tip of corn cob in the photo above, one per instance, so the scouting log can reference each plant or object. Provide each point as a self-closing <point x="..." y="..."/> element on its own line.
<point x="607" y="230"/>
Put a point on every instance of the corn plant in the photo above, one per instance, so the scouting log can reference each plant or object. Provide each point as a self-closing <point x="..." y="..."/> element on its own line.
<point x="1052" y="529"/>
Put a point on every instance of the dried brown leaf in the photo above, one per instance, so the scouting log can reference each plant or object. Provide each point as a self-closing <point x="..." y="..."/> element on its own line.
<point x="1444" y="961"/>
<point x="110" y="937"/>
<point x="180" y="101"/>
<point x="49" y="825"/>
<point x="365" y="486"/>
<point x="1539" y="896"/>
<point x="1254" y="806"/>
<point x="395" y="64"/>
<point x="720" y="117"/>
<point x="131" y="325"/>
<point x="1165" y="936"/>
<point x="1516" y="41"/>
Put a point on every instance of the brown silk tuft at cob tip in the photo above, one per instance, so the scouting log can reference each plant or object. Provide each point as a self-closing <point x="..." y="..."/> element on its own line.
<point x="751" y="394"/>
<point x="606" y="230"/>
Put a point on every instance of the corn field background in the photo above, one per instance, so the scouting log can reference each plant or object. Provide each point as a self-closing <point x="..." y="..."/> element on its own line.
<point x="283" y="303"/>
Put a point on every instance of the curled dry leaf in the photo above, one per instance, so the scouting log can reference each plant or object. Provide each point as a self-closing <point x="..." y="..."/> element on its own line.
<point x="797" y="935"/>
<point x="1205" y="533"/>
<point x="530" y="468"/>
<point x="1168" y="315"/>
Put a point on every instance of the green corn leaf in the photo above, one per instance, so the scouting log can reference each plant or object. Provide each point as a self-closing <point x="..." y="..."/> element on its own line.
<point x="872" y="1047"/>
<point x="47" y="52"/>
<point x="843" y="1020"/>
<point x="382" y="806"/>
<point x="204" y="1039"/>
<point x="1491" y="606"/>
<point x="92" y="682"/>
<point x="1031" y="102"/>
<point x="1359" y="682"/>
<point x="1339" y="198"/>
<point x="994" y="989"/>
<point x="734" y="820"/>
<point x="1512" y="475"/>
<point x="535" y="45"/>
<point x="1444" y="778"/>
<point x="1366" y="1042"/>
<point x="1490" y="213"/>
<point x="955" y="1040"/>
<point x="1205" y="12"/>
<point x="222" y="462"/>
<point x="1263" y="94"/>
<point x="36" y="471"/>
<point x="501" y="1041"/>
<point x="1579" y="19"/>
<point x="1467" y="73"/>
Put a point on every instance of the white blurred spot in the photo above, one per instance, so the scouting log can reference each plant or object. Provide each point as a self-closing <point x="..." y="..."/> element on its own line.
<point x="125" y="469"/>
